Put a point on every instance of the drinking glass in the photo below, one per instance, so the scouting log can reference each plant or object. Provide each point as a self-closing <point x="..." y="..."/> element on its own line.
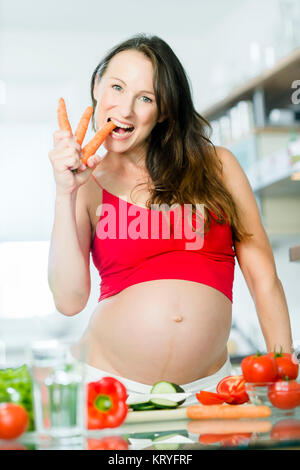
<point x="57" y="368"/>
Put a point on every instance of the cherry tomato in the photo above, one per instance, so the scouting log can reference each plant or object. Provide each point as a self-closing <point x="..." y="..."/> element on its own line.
<point x="286" y="429"/>
<point x="232" y="390"/>
<point x="14" y="420"/>
<point x="259" y="368"/>
<point x="285" y="394"/>
<point x="209" y="398"/>
<point x="108" y="443"/>
<point x="285" y="365"/>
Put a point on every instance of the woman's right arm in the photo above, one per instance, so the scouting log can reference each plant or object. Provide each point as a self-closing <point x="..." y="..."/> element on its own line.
<point x="68" y="267"/>
<point x="69" y="254"/>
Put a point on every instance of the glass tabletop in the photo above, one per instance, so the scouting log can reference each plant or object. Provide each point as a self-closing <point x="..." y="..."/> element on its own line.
<point x="280" y="430"/>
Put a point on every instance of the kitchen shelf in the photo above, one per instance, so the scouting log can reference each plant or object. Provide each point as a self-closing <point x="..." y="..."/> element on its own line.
<point x="269" y="180"/>
<point x="260" y="130"/>
<point x="294" y="253"/>
<point x="264" y="130"/>
<point x="264" y="152"/>
<point x="269" y="171"/>
<point x="273" y="80"/>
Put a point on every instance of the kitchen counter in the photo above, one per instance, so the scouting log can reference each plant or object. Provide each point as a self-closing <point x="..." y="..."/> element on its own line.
<point x="280" y="431"/>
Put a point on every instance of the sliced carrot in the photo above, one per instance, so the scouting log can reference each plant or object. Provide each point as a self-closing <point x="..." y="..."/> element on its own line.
<point x="227" y="411"/>
<point x="91" y="147"/>
<point x="62" y="116"/>
<point x="83" y="124"/>
<point x="217" y="426"/>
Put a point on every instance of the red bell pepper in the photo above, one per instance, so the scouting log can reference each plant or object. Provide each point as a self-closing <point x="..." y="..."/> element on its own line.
<point x="108" y="443"/>
<point x="106" y="403"/>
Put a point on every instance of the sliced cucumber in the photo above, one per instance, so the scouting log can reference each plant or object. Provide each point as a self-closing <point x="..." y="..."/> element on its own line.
<point x="138" y="401"/>
<point x="143" y="406"/>
<point x="165" y="445"/>
<point x="166" y="387"/>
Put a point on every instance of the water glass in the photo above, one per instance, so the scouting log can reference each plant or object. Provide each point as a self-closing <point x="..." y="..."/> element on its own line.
<point x="57" y="368"/>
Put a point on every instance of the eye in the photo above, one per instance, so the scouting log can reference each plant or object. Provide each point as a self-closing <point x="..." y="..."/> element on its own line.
<point x="149" y="101"/>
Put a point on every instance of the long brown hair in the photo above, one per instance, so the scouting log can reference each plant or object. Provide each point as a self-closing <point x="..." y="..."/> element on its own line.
<point x="181" y="159"/>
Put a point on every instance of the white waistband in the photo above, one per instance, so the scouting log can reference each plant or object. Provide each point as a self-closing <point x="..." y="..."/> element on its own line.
<point x="206" y="383"/>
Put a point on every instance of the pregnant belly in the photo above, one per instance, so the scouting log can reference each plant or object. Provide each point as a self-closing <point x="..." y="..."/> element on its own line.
<point x="171" y="330"/>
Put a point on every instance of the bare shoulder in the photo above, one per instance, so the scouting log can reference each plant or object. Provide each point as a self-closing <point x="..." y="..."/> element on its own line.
<point x="236" y="182"/>
<point x="234" y="177"/>
<point x="229" y="163"/>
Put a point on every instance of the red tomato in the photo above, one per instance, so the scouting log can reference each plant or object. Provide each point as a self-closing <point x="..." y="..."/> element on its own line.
<point x="285" y="365"/>
<point x="210" y="438"/>
<point x="209" y="398"/>
<point x="9" y="445"/>
<point x="259" y="368"/>
<point x="232" y="390"/>
<point x="226" y="440"/>
<point x="285" y="394"/>
<point x="108" y="443"/>
<point x="14" y="420"/>
<point x="286" y="429"/>
<point x="236" y="439"/>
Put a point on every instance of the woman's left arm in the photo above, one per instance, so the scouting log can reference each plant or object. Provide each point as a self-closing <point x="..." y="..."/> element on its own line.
<point x="256" y="259"/>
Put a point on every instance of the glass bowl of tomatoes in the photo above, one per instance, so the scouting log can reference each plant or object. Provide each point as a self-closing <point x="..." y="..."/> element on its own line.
<point x="280" y="394"/>
<point x="272" y="380"/>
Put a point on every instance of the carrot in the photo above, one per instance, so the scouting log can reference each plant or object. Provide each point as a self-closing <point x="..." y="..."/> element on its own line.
<point x="83" y="124"/>
<point x="228" y="426"/>
<point x="92" y="146"/>
<point x="227" y="411"/>
<point x="62" y="116"/>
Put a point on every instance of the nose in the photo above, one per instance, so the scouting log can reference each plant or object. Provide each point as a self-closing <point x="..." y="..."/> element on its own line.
<point x="126" y="106"/>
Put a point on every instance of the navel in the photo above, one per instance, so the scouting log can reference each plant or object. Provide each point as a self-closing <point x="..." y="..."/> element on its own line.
<point x="177" y="318"/>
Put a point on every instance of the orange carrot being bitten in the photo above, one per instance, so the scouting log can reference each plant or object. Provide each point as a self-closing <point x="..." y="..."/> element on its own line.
<point x="227" y="411"/>
<point x="83" y="124"/>
<point x="62" y="116"/>
<point x="91" y="147"/>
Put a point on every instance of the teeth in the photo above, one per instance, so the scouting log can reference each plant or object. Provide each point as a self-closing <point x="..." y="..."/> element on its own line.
<point x="120" y="125"/>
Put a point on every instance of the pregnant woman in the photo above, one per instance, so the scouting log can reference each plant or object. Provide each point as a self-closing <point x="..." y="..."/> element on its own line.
<point x="164" y="311"/>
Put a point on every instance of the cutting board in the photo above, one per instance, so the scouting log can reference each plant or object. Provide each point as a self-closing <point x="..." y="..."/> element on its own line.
<point x="229" y="411"/>
<point x="156" y="415"/>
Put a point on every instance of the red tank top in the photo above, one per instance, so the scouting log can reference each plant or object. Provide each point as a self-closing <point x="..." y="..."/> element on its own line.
<point x="133" y="244"/>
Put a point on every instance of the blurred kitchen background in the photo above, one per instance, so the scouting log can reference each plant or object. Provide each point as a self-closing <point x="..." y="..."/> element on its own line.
<point x="243" y="61"/>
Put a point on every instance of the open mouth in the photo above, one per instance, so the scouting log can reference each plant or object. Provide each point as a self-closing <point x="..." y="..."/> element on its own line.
<point x="121" y="130"/>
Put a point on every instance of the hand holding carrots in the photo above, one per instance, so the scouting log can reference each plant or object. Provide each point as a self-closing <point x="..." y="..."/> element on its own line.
<point x="92" y="146"/>
<point x="72" y="164"/>
<point x="65" y="156"/>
